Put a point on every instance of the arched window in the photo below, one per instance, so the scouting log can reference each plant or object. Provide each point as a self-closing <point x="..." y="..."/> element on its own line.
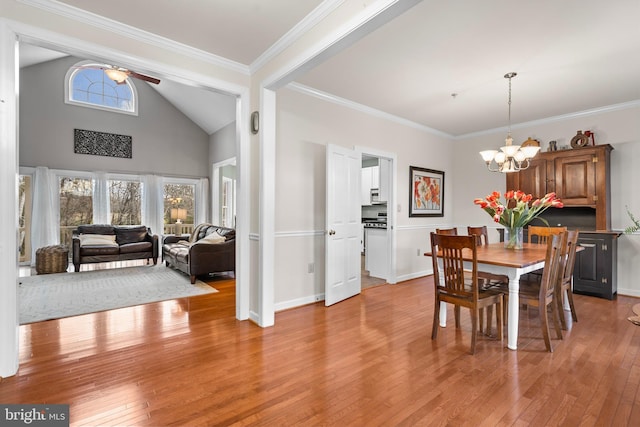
<point x="87" y="85"/>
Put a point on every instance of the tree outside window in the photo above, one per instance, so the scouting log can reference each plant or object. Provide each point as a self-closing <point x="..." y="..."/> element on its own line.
<point x="125" y="200"/>
<point x="76" y="205"/>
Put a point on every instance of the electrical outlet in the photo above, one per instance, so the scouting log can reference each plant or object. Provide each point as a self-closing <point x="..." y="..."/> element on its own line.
<point x="311" y="267"/>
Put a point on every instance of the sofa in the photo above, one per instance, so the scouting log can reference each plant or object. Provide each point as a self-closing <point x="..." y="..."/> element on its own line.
<point x="209" y="249"/>
<point x="103" y="243"/>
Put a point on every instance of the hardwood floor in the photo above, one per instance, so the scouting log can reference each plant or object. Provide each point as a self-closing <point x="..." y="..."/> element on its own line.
<point x="366" y="361"/>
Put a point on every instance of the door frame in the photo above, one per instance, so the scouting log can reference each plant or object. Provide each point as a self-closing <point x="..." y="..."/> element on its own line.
<point x="392" y="205"/>
<point x="215" y="188"/>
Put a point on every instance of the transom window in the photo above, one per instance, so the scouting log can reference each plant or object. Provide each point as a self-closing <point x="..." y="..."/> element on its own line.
<point x="87" y="85"/>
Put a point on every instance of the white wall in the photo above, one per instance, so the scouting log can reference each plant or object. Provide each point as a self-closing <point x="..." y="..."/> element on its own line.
<point x="305" y="125"/>
<point x="620" y="129"/>
<point x="164" y="140"/>
<point x="222" y="144"/>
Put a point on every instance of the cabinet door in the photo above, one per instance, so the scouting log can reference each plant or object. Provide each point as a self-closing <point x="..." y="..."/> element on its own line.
<point x="592" y="270"/>
<point x="575" y="179"/>
<point x="366" y="187"/>
<point x="532" y="180"/>
<point x="375" y="176"/>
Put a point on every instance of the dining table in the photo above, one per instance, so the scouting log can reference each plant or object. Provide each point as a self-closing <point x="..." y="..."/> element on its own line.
<point x="496" y="258"/>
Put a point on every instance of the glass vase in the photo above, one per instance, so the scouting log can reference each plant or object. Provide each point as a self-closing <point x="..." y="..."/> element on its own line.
<point x="513" y="237"/>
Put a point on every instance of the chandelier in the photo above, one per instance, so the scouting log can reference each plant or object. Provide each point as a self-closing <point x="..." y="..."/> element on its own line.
<point x="512" y="158"/>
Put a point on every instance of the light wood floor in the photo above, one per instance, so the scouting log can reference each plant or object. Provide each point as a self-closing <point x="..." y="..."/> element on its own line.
<point x="367" y="361"/>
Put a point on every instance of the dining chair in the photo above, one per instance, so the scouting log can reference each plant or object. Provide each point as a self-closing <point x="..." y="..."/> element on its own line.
<point x="456" y="287"/>
<point x="487" y="280"/>
<point x="565" y="280"/>
<point x="540" y="234"/>
<point x="481" y="233"/>
<point x="542" y="294"/>
<point x="447" y="231"/>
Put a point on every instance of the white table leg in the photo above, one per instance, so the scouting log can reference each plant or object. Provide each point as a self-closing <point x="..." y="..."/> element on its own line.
<point x="514" y="307"/>
<point x="443" y="314"/>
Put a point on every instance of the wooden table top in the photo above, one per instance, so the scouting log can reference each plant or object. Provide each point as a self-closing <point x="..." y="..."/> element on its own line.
<point x="497" y="254"/>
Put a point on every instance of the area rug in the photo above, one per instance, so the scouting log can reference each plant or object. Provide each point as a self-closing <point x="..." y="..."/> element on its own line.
<point x="54" y="296"/>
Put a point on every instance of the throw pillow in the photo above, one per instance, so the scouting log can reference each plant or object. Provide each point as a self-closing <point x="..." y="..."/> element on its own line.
<point x="212" y="238"/>
<point x="98" y="240"/>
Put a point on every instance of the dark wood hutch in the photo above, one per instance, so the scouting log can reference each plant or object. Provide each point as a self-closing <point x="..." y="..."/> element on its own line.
<point x="581" y="178"/>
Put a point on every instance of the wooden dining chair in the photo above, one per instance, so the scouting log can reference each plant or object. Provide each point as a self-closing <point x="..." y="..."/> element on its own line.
<point x="542" y="294"/>
<point x="447" y="231"/>
<point x="458" y="288"/>
<point x="481" y="233"/>
<point x="487" y="280"/>
<point x="565" y="280"/>
<point x="540" y="234"/>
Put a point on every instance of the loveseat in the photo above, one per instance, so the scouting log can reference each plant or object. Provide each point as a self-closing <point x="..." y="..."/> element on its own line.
<point x="103" y="243"/>
<point x="209" y="249"/>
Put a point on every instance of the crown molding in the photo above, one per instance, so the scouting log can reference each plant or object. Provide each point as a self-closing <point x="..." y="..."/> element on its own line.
<point x="554" y="119"/>
<point x="363" y="108"/>
<point x="130" y="32"/>
<point x="308" y="22"/>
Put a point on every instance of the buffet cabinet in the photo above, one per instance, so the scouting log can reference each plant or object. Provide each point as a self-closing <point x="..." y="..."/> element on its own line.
<point x="580" y="177"/>
<point x="595" y="271"/>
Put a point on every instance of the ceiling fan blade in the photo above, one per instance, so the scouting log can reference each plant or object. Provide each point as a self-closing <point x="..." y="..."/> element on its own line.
<point x="143" y="77"/>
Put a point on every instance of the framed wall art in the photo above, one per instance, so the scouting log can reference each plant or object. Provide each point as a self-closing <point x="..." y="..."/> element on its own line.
<point x="101" y="143"/>
<point x="426" y="188"/>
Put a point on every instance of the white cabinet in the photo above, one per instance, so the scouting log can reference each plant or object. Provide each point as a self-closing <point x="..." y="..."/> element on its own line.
<point x="370" y="179"/>
<point x="376" y="254"/>
<point x="376" y="177"/>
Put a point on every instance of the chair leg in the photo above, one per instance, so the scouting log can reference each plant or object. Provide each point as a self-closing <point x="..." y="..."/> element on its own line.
<point x="456" y="310"/>
<point x="481" y="321"/>
<point x="474" y="329"/>
<point x="499" y="320"/>
<point x="544" y="319"/>
<point x="436" y="320"/>
<point x="560" y="310"/>
<point x="489" y="319"/>
<point x="556" y="321"/>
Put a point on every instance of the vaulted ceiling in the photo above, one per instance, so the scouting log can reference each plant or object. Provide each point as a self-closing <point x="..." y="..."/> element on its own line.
<point x="439" y="65"/>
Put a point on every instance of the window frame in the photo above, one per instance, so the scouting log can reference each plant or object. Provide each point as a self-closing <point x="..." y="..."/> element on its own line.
<point x="68" y="89"/>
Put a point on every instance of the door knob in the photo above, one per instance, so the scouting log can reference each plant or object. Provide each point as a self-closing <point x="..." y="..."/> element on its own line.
<point x="332" y="232"/>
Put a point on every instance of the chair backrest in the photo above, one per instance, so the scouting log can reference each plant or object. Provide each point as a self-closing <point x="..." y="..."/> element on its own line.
<point x="482" y="236"/>
<point x="568" y="257"/>
<point x="552" y="265"/>
<point x="540" y="234"/>
<point x="447" y="231"/>
<point x="450" y="249"/>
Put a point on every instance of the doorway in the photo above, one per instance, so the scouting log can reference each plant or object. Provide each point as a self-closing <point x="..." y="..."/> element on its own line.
<point x="377" y="237"/>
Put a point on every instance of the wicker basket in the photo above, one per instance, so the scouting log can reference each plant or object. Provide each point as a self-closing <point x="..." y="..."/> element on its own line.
<point x="52" y="259"/>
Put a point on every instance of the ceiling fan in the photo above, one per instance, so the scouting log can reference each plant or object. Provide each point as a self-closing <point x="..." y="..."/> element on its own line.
<point x="120" y="74"/>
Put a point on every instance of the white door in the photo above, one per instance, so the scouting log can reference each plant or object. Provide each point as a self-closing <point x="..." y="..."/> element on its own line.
<point x="343" y="213"/>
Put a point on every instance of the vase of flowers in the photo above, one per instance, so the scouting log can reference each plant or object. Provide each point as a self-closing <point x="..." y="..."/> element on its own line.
<point x="517" y="211"/>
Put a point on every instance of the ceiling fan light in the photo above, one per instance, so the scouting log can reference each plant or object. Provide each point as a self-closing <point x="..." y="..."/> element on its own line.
<point x="117" y="76"/>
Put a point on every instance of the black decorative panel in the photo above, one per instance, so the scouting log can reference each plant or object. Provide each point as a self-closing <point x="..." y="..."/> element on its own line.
<point x="101" y="143"/>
